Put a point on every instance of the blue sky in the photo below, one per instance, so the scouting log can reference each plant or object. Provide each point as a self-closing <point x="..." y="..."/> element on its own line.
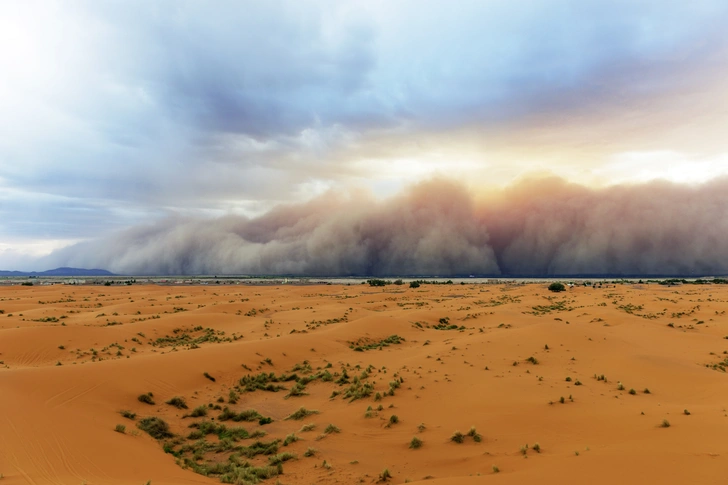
<point x="116" y="113"/>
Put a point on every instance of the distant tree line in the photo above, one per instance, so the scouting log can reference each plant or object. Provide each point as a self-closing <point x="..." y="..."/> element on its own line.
<point x="413" y="284"/>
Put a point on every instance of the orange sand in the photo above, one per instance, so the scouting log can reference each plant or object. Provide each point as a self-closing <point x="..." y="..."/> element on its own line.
<point x="57" y="421"/>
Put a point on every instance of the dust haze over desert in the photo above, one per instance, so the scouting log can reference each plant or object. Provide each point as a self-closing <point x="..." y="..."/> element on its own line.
<point x="536" y="228"/>
<point x="363" y="242"/>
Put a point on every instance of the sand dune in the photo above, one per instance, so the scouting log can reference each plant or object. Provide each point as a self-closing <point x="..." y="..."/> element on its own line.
<point x="73" y="357"/>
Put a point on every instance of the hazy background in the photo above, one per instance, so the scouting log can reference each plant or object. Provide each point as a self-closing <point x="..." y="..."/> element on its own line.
<point x="294" y="137"/>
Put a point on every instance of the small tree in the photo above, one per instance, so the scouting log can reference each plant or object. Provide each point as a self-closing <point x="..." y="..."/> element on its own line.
<point x="557" y="286"/>
<point x="414" y="284"/>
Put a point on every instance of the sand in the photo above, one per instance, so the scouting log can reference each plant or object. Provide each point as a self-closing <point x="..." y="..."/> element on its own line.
<point x="69" y="365"/>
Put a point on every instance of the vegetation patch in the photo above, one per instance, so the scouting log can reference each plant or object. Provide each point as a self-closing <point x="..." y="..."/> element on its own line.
<point x="192" y="337"/>
<point x="155" y="427"/>
<point x="301" y="413"/>
<point x="365" y="344"/>
<point x="556" y="306"/>
<point x="178" y="402"/>
<point x="248" y="415"/>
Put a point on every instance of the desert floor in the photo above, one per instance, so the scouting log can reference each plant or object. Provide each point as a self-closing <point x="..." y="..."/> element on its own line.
<point x="73" y="357"/>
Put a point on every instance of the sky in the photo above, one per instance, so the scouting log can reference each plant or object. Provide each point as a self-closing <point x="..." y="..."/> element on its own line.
<point x="153" y="120"/>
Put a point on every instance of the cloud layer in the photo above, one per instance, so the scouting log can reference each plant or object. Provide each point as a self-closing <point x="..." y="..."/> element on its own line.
<point x="115" y="113"/>
<point x="537" y="227"/>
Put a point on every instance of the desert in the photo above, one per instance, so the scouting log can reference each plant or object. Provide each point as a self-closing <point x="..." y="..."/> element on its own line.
<point x="352" y="383"/>
<point x="310" y="242"/>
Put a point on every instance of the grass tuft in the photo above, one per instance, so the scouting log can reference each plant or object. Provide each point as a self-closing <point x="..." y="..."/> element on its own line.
<point x="301" y="413"/>
<point x="280" y="458"/>
<point x="127" y="414"/>
<point x="331" y="429"/>
<point x="291" y="438"/>
<point x="178" y="402"/>
<point x="199" y="412"/>
<point x="310" y="452"/>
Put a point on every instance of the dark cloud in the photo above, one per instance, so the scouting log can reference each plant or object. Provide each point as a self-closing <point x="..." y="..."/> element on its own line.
<point x="537" y="227"/>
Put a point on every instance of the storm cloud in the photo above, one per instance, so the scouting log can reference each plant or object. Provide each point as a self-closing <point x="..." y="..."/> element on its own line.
<point x="538" y="227"/>
<point x="116" y="114"/>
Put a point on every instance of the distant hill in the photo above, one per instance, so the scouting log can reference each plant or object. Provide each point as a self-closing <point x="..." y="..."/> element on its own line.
<point x="58" y="272"/>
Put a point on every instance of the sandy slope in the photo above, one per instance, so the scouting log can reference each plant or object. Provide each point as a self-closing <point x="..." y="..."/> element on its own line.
<point x="57" y="421"/>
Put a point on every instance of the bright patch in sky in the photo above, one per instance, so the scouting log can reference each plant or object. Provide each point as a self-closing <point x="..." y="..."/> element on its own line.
<point x="636" y="167"/>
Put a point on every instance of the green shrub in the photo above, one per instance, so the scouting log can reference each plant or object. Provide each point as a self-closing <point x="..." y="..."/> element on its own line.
<point x="556" y="287"/>
<point x="178" y="402"/>
<point x="248" y="415"/>
<point x="147" y="398"/>
<point x="120" y="428"/>
<point x="199" y="412"/>
<point x="415" y="443"/>
<point x="156" y="427"/>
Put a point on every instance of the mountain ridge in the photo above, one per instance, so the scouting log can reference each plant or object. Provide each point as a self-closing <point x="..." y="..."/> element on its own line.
<point x="63" y="271"/>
